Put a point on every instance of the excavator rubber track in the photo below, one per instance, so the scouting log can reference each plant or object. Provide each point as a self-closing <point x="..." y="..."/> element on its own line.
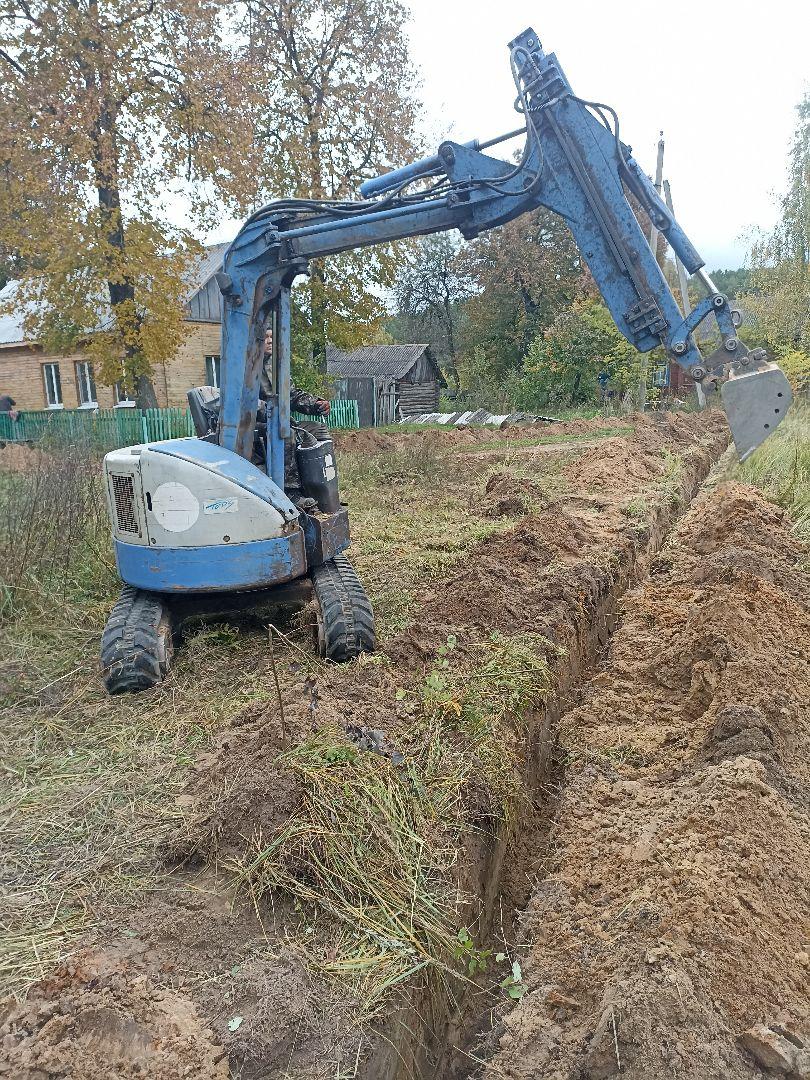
<point x="137" y="644"/>
<point x="345" y="618"/>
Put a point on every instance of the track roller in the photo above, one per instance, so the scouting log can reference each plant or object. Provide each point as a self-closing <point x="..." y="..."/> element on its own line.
<point x="345" y="619"/>
<point x="136" y="646"/>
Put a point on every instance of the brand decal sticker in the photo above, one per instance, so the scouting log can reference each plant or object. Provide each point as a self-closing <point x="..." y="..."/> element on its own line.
<point x="221" y="506"/>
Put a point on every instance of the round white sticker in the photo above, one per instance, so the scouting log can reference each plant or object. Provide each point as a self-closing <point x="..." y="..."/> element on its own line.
<point x="175" y="507"/>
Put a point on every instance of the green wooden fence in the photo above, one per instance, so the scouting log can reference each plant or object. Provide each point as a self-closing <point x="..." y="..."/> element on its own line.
<point x="107" y="429"/>
<point x="342" y="414"/>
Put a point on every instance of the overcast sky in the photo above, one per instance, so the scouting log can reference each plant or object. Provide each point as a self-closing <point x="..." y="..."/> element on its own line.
<point x="720" y="79"/>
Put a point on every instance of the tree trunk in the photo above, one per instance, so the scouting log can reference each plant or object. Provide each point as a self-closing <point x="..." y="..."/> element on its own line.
<point x="530" y="311"/>
<point x="317" y="279"/>
<point x="452" y="367"/>
<point x="106" y="167"/>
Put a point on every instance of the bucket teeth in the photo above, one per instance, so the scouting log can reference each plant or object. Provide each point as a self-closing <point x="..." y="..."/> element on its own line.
<point x="755" y="404"/>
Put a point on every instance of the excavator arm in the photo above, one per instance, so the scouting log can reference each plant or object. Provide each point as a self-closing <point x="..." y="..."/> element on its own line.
<point x="575" y="164"/>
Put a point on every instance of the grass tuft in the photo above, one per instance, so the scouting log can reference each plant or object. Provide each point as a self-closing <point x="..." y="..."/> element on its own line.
<point x="374" y="842"/>
<point x="781" y="468"/>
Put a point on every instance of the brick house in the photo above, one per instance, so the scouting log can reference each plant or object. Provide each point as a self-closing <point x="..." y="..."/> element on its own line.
<point x="38" y="380"/>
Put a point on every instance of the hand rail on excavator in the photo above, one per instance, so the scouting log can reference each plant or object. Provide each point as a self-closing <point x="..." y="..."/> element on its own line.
<point x="575" y="164"/>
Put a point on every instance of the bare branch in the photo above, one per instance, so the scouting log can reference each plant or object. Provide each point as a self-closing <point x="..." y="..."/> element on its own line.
<point x="10" y="60"/>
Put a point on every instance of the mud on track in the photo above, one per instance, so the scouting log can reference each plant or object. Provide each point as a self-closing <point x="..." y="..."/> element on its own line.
<point x="220" y="985"/>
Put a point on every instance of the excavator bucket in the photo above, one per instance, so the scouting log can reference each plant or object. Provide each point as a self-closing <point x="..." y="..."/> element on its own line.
<point x="755" y="403"/>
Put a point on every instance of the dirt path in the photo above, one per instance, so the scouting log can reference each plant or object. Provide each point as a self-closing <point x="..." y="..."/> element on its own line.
<point x="333" y="857"/>
<point x="670" y="933"/>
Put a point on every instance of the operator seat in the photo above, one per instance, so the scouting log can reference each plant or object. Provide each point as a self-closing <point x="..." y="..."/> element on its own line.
<point x="203" y="403"/>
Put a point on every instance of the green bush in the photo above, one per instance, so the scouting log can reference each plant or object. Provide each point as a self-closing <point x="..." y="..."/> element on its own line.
<point x="564" y="363"/>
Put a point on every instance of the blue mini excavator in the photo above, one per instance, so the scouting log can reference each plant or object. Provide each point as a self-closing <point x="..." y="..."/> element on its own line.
<point x="221" y="521"/>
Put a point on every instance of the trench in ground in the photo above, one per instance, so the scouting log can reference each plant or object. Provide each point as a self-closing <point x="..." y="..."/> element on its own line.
<point x="563" y="569"/>
<point x="413" y="1049"/>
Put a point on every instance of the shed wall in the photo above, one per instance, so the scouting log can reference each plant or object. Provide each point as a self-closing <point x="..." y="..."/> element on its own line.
<point x="418" y="397"/>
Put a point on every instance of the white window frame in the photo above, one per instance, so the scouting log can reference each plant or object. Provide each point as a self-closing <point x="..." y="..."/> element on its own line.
<point x="213" y="370"/>
<point x="123" y="402"/>
<point x="86" y="382"/>
<point x="55" y="382"/>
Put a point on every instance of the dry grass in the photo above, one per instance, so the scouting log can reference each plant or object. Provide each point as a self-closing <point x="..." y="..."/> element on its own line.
<point x="413" y="516"/>
<point x="375" y="841"/>
<point x="781" y="468"/>
<point x="89" y="789"/>
<point x="90" y="782"/>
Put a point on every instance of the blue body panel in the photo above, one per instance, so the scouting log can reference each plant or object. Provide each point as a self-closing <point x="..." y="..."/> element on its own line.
<point x="235" y="468"/>
<point x="222" y="568"/>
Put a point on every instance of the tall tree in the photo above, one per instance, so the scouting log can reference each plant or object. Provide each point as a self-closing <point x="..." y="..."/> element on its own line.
<point x="430" y="290"/>
<point x="107" y="107"/>
<point x="732" y="282"/>
<point x="780" y="277"/>
<point x="564" y="363"/>
<point x="525" y="272"/>
<point x="339" y="107"/>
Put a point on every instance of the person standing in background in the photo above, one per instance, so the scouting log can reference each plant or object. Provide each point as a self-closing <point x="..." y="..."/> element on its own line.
<point x="7" y="404"/>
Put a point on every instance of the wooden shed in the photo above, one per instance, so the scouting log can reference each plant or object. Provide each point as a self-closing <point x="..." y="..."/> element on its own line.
<point x="387" y="381"/>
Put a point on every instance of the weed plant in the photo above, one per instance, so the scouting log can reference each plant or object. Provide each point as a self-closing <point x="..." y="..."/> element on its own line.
<point x="781" y="468"/>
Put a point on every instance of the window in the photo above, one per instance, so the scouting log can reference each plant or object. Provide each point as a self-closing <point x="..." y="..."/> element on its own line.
<point x="53" y="386"/>
<point x="212" y="364"/>
<point x="122" y="398"/>
<point x="86" y="386"/>
<point x="660" y="375"/>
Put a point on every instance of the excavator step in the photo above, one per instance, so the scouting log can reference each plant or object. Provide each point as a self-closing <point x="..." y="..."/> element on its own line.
<point x="345" y="618"/>
<point x="136" y="646"/>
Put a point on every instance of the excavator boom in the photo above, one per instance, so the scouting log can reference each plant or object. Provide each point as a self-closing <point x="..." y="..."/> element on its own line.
<point x="575" y="163"/>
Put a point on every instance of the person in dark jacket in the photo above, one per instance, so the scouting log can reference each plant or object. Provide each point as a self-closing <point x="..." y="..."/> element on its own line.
<point x="7" y="404"/>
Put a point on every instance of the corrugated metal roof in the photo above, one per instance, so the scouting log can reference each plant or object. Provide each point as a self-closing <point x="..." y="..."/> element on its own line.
<point x="209" y="264"/>
<point x="11" y="325"/>
<point x="376" y="361"/>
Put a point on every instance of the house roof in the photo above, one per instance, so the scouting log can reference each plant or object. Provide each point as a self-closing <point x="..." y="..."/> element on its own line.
<point x="11" y="324"/>
<point x="374" y="361"/>
<point x="210" y="263"/>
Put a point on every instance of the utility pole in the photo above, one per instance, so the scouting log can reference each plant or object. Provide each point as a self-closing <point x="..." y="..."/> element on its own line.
<point x="659" y="175"/>
<point x="684" y="287"/>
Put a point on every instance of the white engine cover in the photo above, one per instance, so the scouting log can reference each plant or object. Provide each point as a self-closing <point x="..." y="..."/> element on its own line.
<point x="187" y="493"/>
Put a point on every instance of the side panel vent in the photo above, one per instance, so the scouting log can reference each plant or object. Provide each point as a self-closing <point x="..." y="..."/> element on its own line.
<point x="123" y="489"/>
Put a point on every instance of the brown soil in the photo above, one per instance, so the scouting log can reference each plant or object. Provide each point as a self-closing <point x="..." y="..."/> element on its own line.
<point x="544" y="576"/>
<point x="557" y="574"/>
<point x="99" y="1020"/>
<point x="674" y="910"/>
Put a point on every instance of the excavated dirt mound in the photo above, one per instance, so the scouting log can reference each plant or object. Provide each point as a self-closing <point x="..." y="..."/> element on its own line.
<point x="97" y="1020"/>
<point x="669" y="935"/>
